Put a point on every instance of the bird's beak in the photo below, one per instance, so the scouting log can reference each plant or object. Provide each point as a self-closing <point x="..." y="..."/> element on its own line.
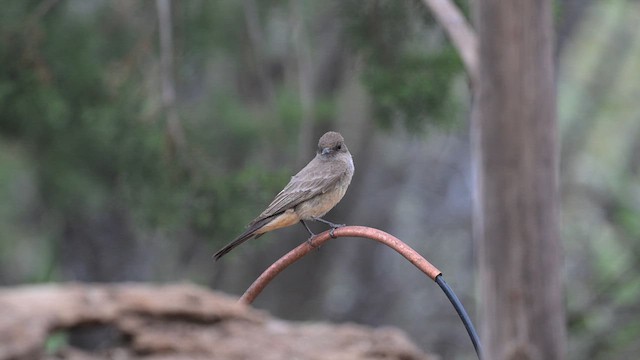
<point x="325" y="151"/>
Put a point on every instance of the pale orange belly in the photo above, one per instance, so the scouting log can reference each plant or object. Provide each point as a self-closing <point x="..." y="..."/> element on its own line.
<point x="285" y="219"/>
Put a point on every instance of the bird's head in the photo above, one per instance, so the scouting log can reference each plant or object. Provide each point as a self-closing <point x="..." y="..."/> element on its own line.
<point x="331" y="144"/>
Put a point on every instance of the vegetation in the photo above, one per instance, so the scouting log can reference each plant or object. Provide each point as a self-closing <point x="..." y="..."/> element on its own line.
<point x="95" y="185"/>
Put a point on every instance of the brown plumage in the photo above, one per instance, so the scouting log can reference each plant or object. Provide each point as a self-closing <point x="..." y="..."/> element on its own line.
<point x="310" y="194"/>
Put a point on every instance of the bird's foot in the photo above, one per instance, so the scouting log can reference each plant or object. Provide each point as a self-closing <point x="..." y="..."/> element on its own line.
<point x="310" y="242"/>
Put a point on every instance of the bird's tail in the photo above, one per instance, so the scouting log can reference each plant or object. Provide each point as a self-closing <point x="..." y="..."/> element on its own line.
<point x="246" y="235"/>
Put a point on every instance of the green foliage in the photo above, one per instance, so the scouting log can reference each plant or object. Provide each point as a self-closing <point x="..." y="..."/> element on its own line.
<point x="288" y="108"/>
<point x="206" y="27"/>
<point x="325" y="110"/>
<point x="416" y="88"/>
<point x="628" y="219"/>
<point x="231" y="184"/>
<point x="74" y="119"/>
<point x="80" y="93"/>
<point x="55" y="342"/>
<point x="67" y="93"/>
<point x="233" y="199"/>
<point x="408" y="79"/>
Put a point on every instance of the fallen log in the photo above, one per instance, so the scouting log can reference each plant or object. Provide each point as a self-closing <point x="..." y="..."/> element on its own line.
<point x="182" y="321"/>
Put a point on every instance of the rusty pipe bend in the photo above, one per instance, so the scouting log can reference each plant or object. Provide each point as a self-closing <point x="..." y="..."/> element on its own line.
<point x="346" y="231"/>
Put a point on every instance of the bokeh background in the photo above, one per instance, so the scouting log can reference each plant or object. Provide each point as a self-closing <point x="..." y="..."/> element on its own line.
<point x="136" y="139"/>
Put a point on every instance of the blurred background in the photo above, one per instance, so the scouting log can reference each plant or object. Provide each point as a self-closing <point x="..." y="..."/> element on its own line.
<point x="138" y="137"/>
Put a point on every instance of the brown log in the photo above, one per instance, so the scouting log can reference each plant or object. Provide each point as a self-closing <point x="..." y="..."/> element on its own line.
<point x="134" y="321"/>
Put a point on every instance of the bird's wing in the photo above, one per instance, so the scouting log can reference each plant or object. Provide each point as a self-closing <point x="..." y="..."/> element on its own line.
<point x="314" y="179"/>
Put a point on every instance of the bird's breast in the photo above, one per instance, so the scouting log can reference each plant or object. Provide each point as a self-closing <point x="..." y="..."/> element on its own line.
<point x="322" y="203"/>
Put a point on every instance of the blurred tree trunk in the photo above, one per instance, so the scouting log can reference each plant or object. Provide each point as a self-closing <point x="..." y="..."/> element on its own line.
<point x="516" y="154"/>
<point x="305" y="70"/>
<point x="257" y="44"/>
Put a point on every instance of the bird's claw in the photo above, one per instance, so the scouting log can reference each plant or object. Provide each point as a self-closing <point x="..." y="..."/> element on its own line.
<point x="333" y="236"/>
<point x="310" y="242"/>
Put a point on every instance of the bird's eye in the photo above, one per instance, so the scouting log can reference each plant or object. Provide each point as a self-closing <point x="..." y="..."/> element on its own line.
<point x="339" y="147"/>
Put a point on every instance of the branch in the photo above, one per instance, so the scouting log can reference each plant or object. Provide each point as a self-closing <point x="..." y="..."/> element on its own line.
<point x="40" y="11"/>
<point x="462" y="35"/>
<point x="347" y="231"/>
<point x="304" y="59"/>
<point x="256" y="45"/>
<point x="174" y="129"/>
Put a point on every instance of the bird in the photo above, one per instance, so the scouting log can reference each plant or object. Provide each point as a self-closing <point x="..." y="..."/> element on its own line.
<point x="309" y="195"/>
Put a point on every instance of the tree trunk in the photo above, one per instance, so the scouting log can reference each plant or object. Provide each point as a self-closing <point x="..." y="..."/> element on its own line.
<point x="516" y="150"/>
<point x="174" y="130"/>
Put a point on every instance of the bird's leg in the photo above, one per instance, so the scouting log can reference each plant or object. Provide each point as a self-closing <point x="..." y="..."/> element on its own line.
<point x="333" y="226"/>
<point x="306" y="227"/>
<point x="311" y="234"/>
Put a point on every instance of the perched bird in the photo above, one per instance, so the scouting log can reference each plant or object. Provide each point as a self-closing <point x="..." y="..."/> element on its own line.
<point x="310" y="194"/>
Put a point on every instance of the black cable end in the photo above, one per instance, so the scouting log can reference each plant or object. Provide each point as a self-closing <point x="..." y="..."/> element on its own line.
<point x="462" y="313"/>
